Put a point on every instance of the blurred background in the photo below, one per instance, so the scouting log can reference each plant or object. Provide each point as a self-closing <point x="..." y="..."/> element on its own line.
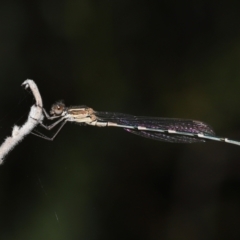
<point x="155" y="58"/>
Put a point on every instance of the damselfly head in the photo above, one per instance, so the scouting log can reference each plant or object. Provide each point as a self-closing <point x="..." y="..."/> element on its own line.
<point x="57" y="109"/>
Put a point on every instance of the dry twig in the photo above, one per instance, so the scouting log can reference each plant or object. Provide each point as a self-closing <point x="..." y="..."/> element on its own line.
<point x="34" y="118"/>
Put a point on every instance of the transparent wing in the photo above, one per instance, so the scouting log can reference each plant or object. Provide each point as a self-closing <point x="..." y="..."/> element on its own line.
<point x="165" y="124"/>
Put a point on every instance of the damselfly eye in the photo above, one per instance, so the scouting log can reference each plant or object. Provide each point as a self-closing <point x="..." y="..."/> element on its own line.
<point x="57" y="109"/>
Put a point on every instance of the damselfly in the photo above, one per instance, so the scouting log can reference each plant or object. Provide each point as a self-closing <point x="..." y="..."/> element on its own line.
<point x="163" y="129"/>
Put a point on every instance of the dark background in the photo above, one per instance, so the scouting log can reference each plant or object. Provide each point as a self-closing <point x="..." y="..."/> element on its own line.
<point x="156" y="58"/>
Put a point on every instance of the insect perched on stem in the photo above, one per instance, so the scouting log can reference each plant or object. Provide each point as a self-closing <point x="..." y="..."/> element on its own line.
<point x="163" y="129"/>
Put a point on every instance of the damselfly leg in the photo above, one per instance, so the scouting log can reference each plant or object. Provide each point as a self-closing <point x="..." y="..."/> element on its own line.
<point x="50" y="127"/>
